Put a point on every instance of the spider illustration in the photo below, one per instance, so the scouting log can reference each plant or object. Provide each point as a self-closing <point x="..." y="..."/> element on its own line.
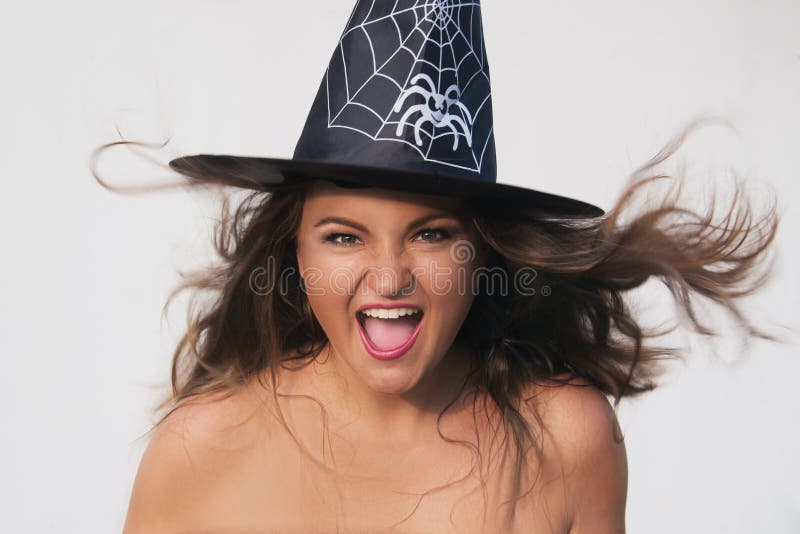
<point x="435" y="110"/>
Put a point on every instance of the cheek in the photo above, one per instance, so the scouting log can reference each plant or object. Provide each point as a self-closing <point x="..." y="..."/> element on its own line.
<point x="329" y="303"/>
<point x="448" y="284"/>
<point x="328" y="280"/>
<point x="334" y="278"/>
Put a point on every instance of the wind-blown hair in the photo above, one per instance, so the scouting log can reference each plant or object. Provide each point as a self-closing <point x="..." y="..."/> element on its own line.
<point x="578" y="323"/>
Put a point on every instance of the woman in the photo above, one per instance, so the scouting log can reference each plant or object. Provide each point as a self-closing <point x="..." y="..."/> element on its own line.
<point x="445" y="436"/>
<point x="367" y="429"/>
<point x="477" y="403"/>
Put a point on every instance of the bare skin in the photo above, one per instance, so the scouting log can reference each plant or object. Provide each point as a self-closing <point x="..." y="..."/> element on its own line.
<point x="229" y="465"/>
<point x="388" y="262"/>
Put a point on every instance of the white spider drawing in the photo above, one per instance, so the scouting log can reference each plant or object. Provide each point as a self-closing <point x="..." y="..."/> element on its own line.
<point x="435" y="110"/>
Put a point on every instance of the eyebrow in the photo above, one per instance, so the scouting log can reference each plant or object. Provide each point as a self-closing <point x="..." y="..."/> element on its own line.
<point x="413" y="224"/>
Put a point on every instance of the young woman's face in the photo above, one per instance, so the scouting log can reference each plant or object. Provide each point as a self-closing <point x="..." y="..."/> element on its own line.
<point x="373" y="247"/>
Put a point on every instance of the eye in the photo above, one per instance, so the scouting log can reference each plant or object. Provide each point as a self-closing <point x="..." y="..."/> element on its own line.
<point x="441" y="232"/>
<point x="428" y="235"/>
<point x="332" y="238"/>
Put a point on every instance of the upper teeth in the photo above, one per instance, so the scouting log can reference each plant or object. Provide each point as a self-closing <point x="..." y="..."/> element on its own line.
<point x="389" y="313"/>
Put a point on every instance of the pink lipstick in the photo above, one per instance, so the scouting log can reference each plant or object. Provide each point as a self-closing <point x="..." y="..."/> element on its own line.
<point x="390" y="354"/>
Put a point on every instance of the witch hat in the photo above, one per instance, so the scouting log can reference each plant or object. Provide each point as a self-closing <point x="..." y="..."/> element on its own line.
<point x="405" y="104"/>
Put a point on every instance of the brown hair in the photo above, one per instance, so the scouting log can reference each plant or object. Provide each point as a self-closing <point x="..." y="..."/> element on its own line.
<point x="577" y="323"/>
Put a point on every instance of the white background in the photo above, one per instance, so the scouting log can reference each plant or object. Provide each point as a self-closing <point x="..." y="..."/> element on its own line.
<point x="584" y="92"/>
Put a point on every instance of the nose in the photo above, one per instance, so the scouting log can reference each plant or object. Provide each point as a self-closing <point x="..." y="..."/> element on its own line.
<point x="390" y="275"/>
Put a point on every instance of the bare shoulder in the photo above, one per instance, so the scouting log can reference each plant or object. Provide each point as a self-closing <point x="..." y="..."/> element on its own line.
<point x="190" y="452"/>
<point x="577" y="415"/>
<point x="583" y="439"/>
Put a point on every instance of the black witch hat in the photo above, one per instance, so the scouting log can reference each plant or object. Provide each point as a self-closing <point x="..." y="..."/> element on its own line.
<point x="405" y="104"/>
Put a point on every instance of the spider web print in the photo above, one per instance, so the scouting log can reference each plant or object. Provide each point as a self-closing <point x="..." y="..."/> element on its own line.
<point x="415" y="72"/>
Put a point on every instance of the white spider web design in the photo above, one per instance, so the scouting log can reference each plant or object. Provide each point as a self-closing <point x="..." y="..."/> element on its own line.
<point x="415" y="72"/>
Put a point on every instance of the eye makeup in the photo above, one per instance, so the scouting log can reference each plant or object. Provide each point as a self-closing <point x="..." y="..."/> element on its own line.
<point x="443" y="234"/>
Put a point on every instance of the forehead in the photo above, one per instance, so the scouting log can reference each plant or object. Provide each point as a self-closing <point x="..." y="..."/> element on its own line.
<point x="325" y="197"/>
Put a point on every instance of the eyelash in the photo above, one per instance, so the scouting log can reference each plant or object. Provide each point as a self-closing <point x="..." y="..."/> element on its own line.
<point x="331" y="238"/>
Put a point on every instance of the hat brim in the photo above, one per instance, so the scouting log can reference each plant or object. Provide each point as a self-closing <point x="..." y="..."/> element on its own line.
<point x="271" y="173"/>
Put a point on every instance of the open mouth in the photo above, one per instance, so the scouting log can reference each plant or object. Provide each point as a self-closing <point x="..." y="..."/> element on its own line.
<point x="389" y="334"/>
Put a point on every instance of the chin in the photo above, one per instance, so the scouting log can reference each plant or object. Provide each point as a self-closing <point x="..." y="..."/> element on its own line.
<point x="391" y="381"/>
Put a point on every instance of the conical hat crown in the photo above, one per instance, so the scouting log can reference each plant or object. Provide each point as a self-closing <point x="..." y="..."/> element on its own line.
<point x="407" y="87"/>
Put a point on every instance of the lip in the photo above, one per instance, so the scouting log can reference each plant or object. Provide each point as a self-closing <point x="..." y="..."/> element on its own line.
<point x="384" y="306"/>
<point x="396" y="352"/>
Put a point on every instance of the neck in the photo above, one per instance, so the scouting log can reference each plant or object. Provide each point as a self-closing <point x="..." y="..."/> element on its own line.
<point x="392" y="419"/>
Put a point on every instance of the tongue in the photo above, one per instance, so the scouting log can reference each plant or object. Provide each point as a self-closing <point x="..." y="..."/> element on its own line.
<point x="387" y="334"/>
